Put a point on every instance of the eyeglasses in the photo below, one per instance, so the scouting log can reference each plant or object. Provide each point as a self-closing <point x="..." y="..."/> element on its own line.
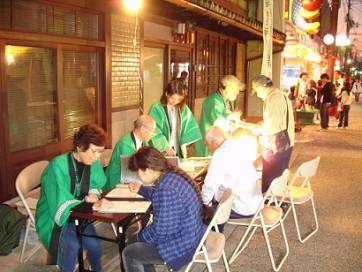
<point x="96" y="151"/>
<point x="150" y="130"/>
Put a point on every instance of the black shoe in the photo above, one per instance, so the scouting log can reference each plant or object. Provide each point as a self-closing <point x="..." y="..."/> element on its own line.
<point x="285" y="207"/>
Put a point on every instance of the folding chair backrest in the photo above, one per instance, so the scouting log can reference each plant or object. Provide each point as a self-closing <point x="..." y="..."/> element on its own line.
<point x="309" y="169"/>
<point x="223" y="211"/>
<point x="278" y="187"/>
<point x="27" y="180"/>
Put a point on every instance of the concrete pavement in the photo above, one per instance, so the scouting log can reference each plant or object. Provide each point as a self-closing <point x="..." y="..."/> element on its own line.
<point x="337" y="246"/>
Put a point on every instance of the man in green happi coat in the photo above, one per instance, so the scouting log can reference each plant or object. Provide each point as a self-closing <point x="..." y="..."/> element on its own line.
<point x="217" y="105"/>
<point x="71" y="182"/>
<point x="143" y="129"/>
<point x="176" y="127"/>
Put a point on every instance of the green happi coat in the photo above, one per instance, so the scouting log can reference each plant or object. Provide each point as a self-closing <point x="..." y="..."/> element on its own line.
<point x="56" y="200"/>
<point x="213" y="107"/>
<point x="188" y="132"/>
<point x="125" y="146"/>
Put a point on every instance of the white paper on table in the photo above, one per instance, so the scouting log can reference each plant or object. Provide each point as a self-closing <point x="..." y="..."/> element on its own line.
<point x="127" y="207"/>
<point x="122" y="192"/>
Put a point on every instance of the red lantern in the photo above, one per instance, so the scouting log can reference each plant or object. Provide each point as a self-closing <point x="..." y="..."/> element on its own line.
<point x="312" y="5"/>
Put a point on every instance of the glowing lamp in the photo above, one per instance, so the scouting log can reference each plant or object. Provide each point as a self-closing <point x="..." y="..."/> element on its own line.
<point x="328" y="39"/>
<point x="133" y="5"/>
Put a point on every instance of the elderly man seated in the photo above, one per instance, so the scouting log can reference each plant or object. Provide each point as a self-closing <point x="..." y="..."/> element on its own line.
<point x="231" y="167"/>
<point x="143" y="129"/>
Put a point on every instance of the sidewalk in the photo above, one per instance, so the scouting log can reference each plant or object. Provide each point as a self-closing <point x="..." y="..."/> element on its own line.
<point x="337" y="246"/>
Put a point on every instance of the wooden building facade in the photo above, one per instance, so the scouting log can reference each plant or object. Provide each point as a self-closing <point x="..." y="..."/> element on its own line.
<point x="64" y="64"/>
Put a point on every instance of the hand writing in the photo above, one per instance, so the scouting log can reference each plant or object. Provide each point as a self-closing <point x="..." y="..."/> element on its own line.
<point x="134" y="186"/>
<point x="91" y="198"/>
<point x="102" y="204"/>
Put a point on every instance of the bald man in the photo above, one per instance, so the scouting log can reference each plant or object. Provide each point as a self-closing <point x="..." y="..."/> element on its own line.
<point x="231" y="167"/>
<point x="143" y="129"/>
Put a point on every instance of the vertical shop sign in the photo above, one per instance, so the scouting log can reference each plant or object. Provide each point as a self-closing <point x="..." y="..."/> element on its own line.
<point x="266" y="68"/>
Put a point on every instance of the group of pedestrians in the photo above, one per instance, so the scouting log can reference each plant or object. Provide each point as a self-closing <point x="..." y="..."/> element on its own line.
<point x="326" y="98"/>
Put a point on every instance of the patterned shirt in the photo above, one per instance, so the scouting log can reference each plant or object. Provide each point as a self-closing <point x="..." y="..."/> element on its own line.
<point x="177" y="225"/>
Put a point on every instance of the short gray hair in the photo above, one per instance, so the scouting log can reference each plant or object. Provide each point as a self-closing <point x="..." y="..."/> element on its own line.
<point x="143" y="121"/>
<point x="262" y="81"/>
<point x="230" y="79"/>
<point x="215" y="135"/>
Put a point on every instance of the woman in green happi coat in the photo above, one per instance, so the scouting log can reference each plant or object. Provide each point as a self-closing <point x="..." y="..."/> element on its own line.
<point x="72" y="181"/>
<point x="176" y="126"/>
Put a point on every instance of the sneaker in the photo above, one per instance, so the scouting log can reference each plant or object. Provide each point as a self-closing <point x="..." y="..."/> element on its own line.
<point x="323" y="129"/>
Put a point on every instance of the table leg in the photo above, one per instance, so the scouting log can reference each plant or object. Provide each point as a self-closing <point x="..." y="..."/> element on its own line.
<point x="121" y="237"/>
<point x="79" y="231"/>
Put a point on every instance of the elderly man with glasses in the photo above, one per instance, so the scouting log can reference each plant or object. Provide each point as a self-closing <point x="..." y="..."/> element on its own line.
<point x="143" y="129"/>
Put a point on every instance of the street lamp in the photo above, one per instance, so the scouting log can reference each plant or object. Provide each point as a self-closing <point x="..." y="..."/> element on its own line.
<point x="133" y="5"/>
<point x="328" y="39"/>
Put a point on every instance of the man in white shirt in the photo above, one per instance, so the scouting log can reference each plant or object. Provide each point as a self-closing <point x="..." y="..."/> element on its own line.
<point x="232" y="167"/>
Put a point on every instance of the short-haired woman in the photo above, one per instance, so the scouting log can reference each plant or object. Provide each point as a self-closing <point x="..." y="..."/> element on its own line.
<point x="176" y="126"/>
<point x="72" y="181"/>
<point x="177" y="225"/>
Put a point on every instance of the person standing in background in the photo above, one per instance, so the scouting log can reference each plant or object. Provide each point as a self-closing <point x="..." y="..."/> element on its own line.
<point x="219" y="104"/>
<point x="346" y="101"/>
<point x="278" y="129"/>
<point x="301" y="90"/>
<point x="326" y="100"/>
<point x="176" y="127"/>
<point x="357" y="89"/>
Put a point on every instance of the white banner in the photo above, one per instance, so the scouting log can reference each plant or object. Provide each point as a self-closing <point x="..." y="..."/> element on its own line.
<point x="267" y="65"/>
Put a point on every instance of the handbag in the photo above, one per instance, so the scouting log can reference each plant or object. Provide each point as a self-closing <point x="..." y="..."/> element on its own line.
<point x="280" y="142"/>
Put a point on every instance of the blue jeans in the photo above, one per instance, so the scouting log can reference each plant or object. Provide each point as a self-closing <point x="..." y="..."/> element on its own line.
<point x="69" y="248"/>
<point x="274" y="166"/>
<point x="343" y="116"/>
<point x="140" y="257"/>
<point x="324" y="115"/>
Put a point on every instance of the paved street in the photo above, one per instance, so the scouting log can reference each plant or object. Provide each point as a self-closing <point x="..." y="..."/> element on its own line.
<point x="338" y="197"/>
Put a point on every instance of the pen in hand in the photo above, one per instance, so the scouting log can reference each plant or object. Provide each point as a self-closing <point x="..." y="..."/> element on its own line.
<point x="134" y="186"/>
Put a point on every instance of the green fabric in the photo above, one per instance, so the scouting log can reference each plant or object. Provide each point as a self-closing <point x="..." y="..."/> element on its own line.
<point x="10" y="225"/>
<point x="213" y="107"/>
<point x="55" y="191"/>
<point x="189" y="130"/>
<point x="125" y="146"/>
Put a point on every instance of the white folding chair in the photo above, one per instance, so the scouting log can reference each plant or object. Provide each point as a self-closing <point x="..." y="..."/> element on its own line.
<point x="267" y="217"/>
<point x="26" y="186"/>
<point x="212" y="243"/>
<point x="300" y="194"/>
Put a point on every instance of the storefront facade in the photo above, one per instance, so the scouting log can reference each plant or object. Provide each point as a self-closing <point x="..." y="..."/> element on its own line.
<point x="63" y="65"/>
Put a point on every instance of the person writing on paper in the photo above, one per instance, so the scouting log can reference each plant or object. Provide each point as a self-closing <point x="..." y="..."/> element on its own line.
<point x="143" y="129"/>
<point x="218" y="105"/>
<point x="278" y="129"/>
<point x="176" y="126"/>
<point x="177" y="225"/>
<point x="232" y="167"/>
<point x="72" y="181"/>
